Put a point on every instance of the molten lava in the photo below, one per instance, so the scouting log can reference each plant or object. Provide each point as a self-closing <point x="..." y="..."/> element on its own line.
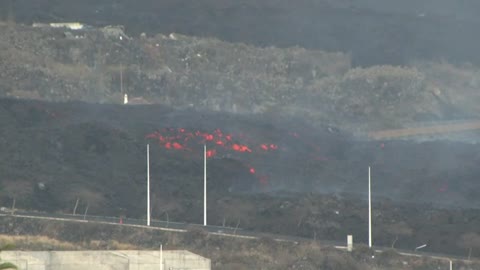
<point x="222" y="145"/>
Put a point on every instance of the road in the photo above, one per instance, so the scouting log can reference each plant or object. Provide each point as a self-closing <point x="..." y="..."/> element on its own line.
<point x="214" y="230"/>
<point x="438" y="128"/>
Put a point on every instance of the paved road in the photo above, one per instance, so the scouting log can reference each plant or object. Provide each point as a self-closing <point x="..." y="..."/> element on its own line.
<point x="214" y="230"/>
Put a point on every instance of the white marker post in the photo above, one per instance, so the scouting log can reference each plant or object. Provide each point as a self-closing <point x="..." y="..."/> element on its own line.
<point x="349" y="243"/>
<point x="369" y="209"/>
<point x="75" y="208"/>
<point x="161" y="257"/>
<point x="85" y="214"/>
<point x="204" y="185"/>
<point x="148" y="185"/>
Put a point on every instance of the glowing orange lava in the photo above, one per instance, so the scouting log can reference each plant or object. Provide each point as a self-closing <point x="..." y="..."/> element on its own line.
<point x="222" y="144"/>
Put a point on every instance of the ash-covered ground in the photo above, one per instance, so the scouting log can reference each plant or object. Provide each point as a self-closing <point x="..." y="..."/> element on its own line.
<point x="57" y="143"/>
<point x="281" y="125"/>
<point x="269" y="174"/>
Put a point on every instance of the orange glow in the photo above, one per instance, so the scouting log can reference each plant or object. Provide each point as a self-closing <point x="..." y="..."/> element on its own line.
<point x="224" y="144"/>
<point x="241" y="148"/>
<point x="267" y="147"/>
<point x="177" y="146"/>
<point x="211" y="153"/>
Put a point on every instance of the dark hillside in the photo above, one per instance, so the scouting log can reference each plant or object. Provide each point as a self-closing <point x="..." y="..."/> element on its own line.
<point x="285" y="127"/>
<point x="374" y="31"/>
<point x="270" y="174"/>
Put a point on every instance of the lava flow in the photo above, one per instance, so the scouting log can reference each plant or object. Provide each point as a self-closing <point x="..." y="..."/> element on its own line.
<point x="182" y="139"/>
<point x="220" y="144"/>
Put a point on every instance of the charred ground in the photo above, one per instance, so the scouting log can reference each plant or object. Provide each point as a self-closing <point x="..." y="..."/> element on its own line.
<point x="296" y="110"/>
<point x="313" y="183"/>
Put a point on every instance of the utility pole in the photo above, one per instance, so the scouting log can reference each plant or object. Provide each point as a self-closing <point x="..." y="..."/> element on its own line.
<point x="148" y="185"/>
<point x="369" y="209"/>
<point x="204" y="185"/>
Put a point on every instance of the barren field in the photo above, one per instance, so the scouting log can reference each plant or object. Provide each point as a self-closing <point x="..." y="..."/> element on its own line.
<point x="284" y="126"/>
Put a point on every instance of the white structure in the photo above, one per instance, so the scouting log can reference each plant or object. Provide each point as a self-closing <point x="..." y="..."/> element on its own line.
<point x="161" y="257"/>
<point x="420" y="247"/>
<point x="107" y="260"/>
<point x="204" y="185"/>
<point x="369" y="209"/>
<point x="135" y="100"/>
<point x="349" y="242"/>
<point x="148" y="185"/>
<point x="68" y="25"/>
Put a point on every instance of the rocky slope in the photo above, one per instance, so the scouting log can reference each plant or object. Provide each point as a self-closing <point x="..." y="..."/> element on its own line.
<point x="373" y="31"/>
<point x="100" y="65"/>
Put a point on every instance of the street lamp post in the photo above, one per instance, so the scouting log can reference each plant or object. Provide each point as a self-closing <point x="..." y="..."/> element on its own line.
<point x="161" y="257"/>
<point x="204" y="185"/>
<point x="369" y="209"/>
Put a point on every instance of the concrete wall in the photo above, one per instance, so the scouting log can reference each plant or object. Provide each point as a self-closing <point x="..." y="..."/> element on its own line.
<point x="106" y="260"/>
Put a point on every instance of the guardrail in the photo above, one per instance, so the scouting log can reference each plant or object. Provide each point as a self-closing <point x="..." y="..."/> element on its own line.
<point x="214" y="230"/>
<point x="121" y="220"/>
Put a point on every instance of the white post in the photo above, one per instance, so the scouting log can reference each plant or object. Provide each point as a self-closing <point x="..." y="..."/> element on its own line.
<point x="148" y="185"/>
<point x="204" y="185"/>
<point x="451" y="266"/>
<point x="161" y="257"/>
<point x="85" y="214"/>
<point x="349" y="242"/>
<point x="75" y="208"/>
<point x="369" y="209"/>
